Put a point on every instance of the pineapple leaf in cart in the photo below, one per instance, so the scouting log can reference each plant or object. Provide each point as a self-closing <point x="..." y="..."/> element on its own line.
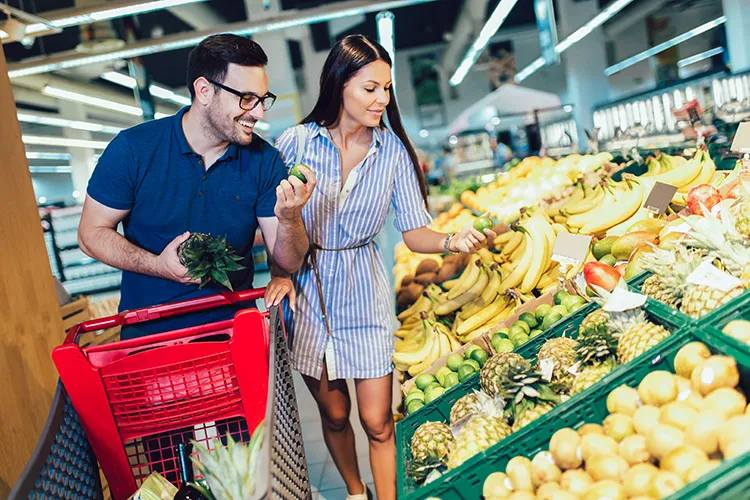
<point x="208" y="259"/>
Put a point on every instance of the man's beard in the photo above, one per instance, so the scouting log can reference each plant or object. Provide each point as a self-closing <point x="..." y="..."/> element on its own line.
<point x="215" y="125"/>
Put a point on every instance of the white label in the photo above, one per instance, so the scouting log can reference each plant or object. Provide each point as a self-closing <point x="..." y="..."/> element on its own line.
<point x="547" y="366"/>
<point x="573" y="370"/>
<point x="707" y="274"/>
<point x="679" y="228"/>
<point x="623" y="300"/>
<point x="580" y="281"/>
<point x="571" y="248"/>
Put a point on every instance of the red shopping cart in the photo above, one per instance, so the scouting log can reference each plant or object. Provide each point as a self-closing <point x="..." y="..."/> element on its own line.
<point x="137" y="399"/>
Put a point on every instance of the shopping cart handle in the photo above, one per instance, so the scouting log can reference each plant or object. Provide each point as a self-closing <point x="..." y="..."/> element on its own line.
<point x="163" y="311"/>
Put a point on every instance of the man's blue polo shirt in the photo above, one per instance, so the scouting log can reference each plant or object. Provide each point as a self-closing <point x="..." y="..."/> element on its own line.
<point x="151" y="171"/>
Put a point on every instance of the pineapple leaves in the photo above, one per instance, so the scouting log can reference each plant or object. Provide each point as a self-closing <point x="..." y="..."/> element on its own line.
<point x="209" y="259"/>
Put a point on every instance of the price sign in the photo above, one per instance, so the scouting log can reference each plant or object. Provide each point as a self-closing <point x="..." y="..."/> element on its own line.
<point x="623" y="300"/>
<point x="709" y="275"/>
<point x="659" y="198"/>
<point x="571" y="248"/>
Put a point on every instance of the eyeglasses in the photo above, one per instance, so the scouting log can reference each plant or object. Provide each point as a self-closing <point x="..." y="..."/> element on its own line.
<point x="248" y="100"/>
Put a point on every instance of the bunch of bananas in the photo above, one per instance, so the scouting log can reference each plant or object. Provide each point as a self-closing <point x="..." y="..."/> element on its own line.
<point x="423" y="345"/>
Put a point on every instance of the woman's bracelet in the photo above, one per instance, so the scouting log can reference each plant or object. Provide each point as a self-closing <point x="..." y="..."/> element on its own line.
<point x="447" y="243"/>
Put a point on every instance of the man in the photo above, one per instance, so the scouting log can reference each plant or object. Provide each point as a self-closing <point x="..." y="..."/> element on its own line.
<point x="202" y="170"/>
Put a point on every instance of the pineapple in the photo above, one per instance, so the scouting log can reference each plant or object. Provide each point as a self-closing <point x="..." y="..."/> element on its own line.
<point x="528" y="395"/>
<point x="596" y="354"/>
<point x="466" y="406"/>
<point x="208" y="258"/>
<point x="591" y="374"/>
<point x="496" y="369"/>
<point x="478" y="434"/>
<point x="700" y="300"/>
<point x="562" y="352"/>
<point x="229" y="472"/>
<point x="742" y="223"/>
<point x="660" y="288"/>
<point x="668" y="283"/>
<point x="636" y="334"/>
<point x="592" y="322"/>
<point x="431" y="439"/>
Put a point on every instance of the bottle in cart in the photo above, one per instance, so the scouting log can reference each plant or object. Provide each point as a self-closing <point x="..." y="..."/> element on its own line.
<point x="186" y="491"/>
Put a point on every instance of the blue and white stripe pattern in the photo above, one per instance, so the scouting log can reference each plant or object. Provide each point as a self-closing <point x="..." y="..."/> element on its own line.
<point x="354" y="282"/>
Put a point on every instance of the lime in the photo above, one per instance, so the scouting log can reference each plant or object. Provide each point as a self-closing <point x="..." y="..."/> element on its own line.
<point x="433" y="394"/>
<point x="542" y="310"/>
<point x="609" y="259"/>
<point x="465" y="371"/>
<point x="577" y="306"/>
<point x="498" y="336"/>
<point x="559" y="296"/>
<point x="425" y="379"/>
<point x="480" y="356"/>
<point x="431" y="386"/>
<point x="520" y="339"/>
<point x="441" y="373"/>
<point x="529" y="319"/>
<point x="502" y="333"/>
<point x="561" y="309"/>
<point x="450" y="380"/>
<point x="299" y="175"/>
<point x="551" y="319"/>
<point x="414" y="388"/>
<point x="571" y="301"/>
<point x="473" y="363"/>
<point x="503" y="345"/>
<point x="469" y="349"/>
<point x="603" y="247"/>
<point x="413" y="396"/>
<point x="483" y="223"/>
<point x="519" y="327"/>
<point x="534" y="333"/>
<point x="414" y="406"/>
<point x="590" y="292"/>
<point x="454" y="361"/>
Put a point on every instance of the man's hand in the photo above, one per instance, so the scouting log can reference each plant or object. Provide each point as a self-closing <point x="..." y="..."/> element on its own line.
<point x="169" y="262"/>
<point x="279" y="288"/>
<point x="292" y="195"/>
<point x="469" y="240"/>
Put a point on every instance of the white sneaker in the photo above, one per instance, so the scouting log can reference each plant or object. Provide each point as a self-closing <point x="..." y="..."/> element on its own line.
<point x="360" y="496"/>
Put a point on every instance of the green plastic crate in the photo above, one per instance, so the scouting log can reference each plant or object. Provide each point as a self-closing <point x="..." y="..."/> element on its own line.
<point x="462" y="482"/>
<point x="635" y="169"/>
<point x="636" y="282"/>
<point x="730" y="481"/>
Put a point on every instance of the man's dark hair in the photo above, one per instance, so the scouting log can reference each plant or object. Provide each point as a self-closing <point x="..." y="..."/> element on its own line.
<point x="211" y="58"/>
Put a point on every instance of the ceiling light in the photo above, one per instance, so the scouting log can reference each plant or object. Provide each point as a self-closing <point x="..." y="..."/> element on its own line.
<point x="286" y="19"/>
<point x="424" y="133"/>
<point x="64" y="169"/>
<point x="488" y="31"/>
<point x="159" y="116"/>
<point x="47" y="156"/>
<point x="127" y="9"/>
<point x="386" y="35"/>
<point x="700" y="57"/>
<point x="43" y="140"/>
<point x="92" y="101"/>
<point x="42" y="199"/>
<point x="664" y="46"/>
<point x="64" y="123"/>
<point x="495" y="120"/>
<point x="567" y="108"/>
<point x="576" y="36"/>
<point x="76" y="194"/>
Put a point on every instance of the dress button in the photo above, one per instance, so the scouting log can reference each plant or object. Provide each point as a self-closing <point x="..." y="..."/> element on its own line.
<point x="237" y="197"/>
<point x="200" y="162"/>
<point x="200" y="194"/>
<point x="205" y="177"/>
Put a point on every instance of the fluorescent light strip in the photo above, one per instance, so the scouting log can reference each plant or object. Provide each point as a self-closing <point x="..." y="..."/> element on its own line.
<point x="700" y="57"/>
<point x="92" y="101"/>
<point x="62" y="169"/>
<point x="32" y="155"/>
<point x="575" y="37"/>
<point x="664" y="46"/>
<point x="43" y="140"/>
<point x="63" y="123"/>
<point x="3" y="34"/>
<point x="178" y="41"/>
<point x="386" y="36"/>
<point x="488" y="31"/>
<point x="102" y="15"/>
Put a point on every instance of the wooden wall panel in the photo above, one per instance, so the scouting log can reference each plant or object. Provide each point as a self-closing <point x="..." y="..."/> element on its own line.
<point x="30" y="322"/>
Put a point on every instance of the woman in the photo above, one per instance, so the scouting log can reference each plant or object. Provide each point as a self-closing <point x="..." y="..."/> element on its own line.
<point x="343" y="316"/>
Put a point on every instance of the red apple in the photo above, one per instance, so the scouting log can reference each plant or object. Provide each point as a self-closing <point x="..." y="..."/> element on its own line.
<point x="703" y="194"/>
<point x="736" y="191"/>
<point x="601" y="275"/>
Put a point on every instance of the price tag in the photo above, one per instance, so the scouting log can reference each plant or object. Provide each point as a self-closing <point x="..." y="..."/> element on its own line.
<point x="680" y="228"/>
<point x="709" y="275"/>
<point x="659" y="198"/>
<point x="546" y="366"/>
<point x="623" y="300"/>
<point x="741" y="142"/>
<point x="573" y="370"/>
<point x="571" y="248"/>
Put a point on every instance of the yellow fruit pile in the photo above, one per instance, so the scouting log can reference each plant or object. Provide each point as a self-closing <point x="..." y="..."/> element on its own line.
<point x="669" y="432"/>
<point x="453" y="220"/>
<point x="408" y="261"/>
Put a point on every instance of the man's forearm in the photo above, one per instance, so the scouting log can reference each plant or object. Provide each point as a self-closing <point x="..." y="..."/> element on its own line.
<point x="291" y="245"/>
<point x="108" y="246"/>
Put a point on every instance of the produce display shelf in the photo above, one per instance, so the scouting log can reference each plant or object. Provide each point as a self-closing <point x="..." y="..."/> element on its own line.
<point x="465" y="482"/>
<point x="723" y="312"/>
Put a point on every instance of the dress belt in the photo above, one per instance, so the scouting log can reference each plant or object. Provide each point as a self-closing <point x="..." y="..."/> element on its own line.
<point x="313" y="255"/>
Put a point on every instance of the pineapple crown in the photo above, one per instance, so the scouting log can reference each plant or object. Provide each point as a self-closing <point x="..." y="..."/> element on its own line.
<point x="597" y="345"/>
<point x="677" y="264"/>
<point x="524" y="387"/>
<point x="719" y="237"/>
<point x="209" y="258"/>
<point x="432" y="464"/>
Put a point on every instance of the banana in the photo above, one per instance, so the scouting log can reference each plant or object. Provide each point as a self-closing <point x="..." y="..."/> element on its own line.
<point x="549" y="276"/>
<point x="445" y="344"/>
<point x="627" y="203"/>
<point x="455" y="343"/>
<point x="559" y="228"/>
<point x="539" y="251"/>
<point x="503" y="238"/>
<point x="680" y="176"/>
<point x="431" y="357"/>
<point x="560" y="219"/>
<point x="516" y="277"/>
<point x="488" y="295"/>
<point x="466" y="297"/>
<point x="579" y="220"/>
<point x="426" y="345"/>
<point x="468" y="278"/>
<point x="497" y="306"/>
<point x="587" y="204"/>
<point x="448" y="285"/>
<point x="513" y="243"/>
<point x="423" y="303"/>
<point x="499" y="258"/>
<point x="486" y="256"/>
<point x="706" y="174"/>
<point x="401" y="367"/>
<point x="519" y="251"/>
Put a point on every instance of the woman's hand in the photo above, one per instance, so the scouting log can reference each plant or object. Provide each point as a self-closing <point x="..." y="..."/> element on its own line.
<point x="279" y="288"/>
<point x="469" y="240"/>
